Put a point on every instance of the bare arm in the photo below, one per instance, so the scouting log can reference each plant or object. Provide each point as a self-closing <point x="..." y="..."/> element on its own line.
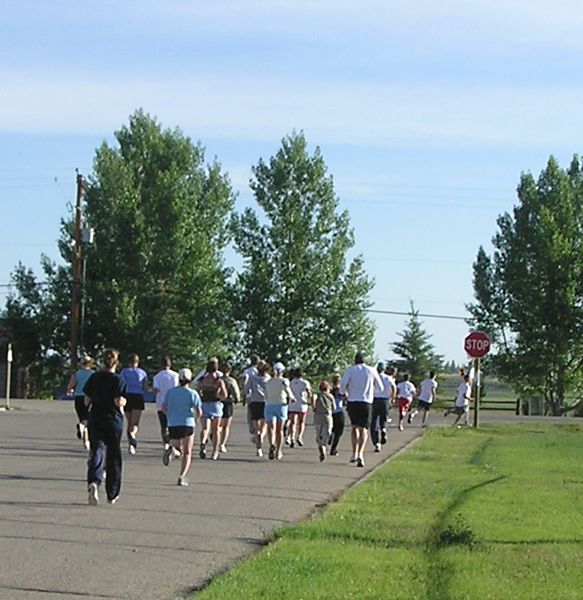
<point x="72" y="383"/>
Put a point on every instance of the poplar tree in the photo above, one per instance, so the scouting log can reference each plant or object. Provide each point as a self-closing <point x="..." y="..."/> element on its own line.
<point x="298" y="297"/>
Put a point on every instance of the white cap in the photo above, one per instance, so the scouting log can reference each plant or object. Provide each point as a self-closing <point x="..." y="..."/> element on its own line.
<point x="185" y="374"/>
<point x="279" y="367"/>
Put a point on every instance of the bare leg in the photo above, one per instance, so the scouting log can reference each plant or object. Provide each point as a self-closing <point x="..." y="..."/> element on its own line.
<point x="301" y="425"/>
<point x="278" y="435"/>
<point x="187" y="444"/>
<point x="225" y="430"/>
<point x="216" y="428"/>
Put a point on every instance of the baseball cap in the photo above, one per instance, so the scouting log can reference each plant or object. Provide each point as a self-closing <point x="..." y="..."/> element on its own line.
<point x="279" y="367"/>
<point x="185" y="374"/>
<point x="380" y="366"/>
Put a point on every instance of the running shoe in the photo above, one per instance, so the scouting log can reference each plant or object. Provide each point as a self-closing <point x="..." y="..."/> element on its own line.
<point x="113" y="500"/>
<point x="383" y="437"/>
<point x="202" y="451"/>
<point x="360" y="462"/>
<point x="377" y="447"/>
<point x="132" y="450"/>
<point x="215" y="456"/>
<point x="300" y="441"/>
<point x="287" y="440"/>
<point x="334" y="452"/>
<point x="223" y="448"/>
<point x="79" y="431"/>
<point x="132" y="440"/>
<point x="87" y="444"/>
<point x="353" y="458"/>
<point x="182" y="482"/>
<point x="292" y="444"/>
<point x="401" y="427"/>
<point x="322" y="453"/>
<point x="410" y="418"/>
<point x="279" y="455"/>
<point x="271" y="452"/>
<point x="168" y="455"/>
<point x="259" y="453"/>
<point x="93" y="494"/>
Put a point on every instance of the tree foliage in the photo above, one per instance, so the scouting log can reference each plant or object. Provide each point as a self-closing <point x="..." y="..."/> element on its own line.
<point x="155" y="278"/>
<point x="155" y="274"/>
<point x="528" y="293"/>
<point x="298" y="297"/>
<point x="417" y="353"/>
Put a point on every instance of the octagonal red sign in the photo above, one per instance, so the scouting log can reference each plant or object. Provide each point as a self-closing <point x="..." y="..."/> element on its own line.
<point x="477" y="344"/>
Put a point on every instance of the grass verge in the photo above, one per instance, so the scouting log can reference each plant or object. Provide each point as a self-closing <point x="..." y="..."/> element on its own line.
<point x="487" y="514"/>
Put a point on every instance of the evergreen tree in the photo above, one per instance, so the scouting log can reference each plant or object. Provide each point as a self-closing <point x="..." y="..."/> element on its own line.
<point x="417" y="354"/>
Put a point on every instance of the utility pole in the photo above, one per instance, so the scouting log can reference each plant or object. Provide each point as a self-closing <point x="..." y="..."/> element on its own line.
<point x="76" y="284"/>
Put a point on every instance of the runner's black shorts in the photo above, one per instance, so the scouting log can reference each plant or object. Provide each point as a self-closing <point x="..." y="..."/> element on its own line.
<point x="359" y="413"/>
<point x="422" y="405"/>
<point x="179" y="432"/>
<point x="134" y="402"/>
<point x="227" y="409"/>
<point x="257" y="410"/>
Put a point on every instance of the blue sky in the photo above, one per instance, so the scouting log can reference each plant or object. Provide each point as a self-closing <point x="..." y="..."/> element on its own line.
<point x="426" y="114"/>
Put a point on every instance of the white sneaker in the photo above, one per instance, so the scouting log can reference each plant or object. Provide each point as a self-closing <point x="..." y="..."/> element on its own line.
<point x="223" y="448"/>
<point x="215" y="456"/>
<point x="93" y="494"/>
<point x="131" y="450"/>
<point x="353" y="458"/>
<point x="401" y="427"/>
<point x="377" y="447"/>
<point x="87" y="445"/>
<point x="259" y="453"/>
<point x="279" y="455"/>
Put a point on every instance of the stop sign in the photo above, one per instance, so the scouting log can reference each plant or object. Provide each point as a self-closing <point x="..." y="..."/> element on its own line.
<point x="477" y="344"/>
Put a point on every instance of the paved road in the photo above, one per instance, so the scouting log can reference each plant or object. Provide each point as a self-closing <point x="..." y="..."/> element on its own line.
<point x="159" y="541"/>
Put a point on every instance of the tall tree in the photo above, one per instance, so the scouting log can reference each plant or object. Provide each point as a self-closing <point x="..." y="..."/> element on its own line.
<point x="298" y="298"/>
<point x="417" y="353"/>
<point x="155" y="274"/>
<point x="529" y="292"/>
<point x="155" y="278"/>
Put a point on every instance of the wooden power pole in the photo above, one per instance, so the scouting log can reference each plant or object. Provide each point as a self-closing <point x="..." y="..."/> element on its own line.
<point x="76" y="284"/>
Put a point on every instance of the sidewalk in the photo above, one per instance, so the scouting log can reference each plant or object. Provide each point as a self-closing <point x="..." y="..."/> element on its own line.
<point x="159" y="541"/>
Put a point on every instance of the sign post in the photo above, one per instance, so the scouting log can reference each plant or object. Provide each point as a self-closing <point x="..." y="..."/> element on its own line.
<point x="477" y="345"/>
<point x="8" y="375"/>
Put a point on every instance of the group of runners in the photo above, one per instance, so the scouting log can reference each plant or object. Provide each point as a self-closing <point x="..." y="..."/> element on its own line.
<point x="277" y="409"/>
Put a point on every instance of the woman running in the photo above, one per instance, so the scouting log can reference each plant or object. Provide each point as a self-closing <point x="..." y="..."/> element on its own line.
<point x="338" y="420"/>
<point x="75" y="387"/>
<point x="255" y="393"/>
<point x="212" y="390"/>
<point x="181" y="405"/>
<point x="298" y="409"/>
<point x="137" y="382"/>
<point x="104" y="395"/>
<point x="278" y="395"/>
<point x="233" y="397"/>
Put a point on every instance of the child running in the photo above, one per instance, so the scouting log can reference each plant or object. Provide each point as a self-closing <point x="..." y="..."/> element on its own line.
<point x="405" y="393"/>
<point x="426" y="398"/>
<point x="338" y="420"/>
<point x="323" y="404"/>
<point x="181" y="405"/>
<point x="462" y="400"/>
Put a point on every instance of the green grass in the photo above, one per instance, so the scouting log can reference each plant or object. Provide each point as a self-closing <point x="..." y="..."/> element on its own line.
<point x="514" y="493"/>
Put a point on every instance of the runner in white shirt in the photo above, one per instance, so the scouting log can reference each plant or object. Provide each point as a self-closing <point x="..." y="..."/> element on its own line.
<point x="164" y="380"/>
<point x="462" y="400"/>
<point x="405" y="394"/>
<point x="425" y="399"/>
<point x="298" y="409"/>
<point x="360" y="383"/>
